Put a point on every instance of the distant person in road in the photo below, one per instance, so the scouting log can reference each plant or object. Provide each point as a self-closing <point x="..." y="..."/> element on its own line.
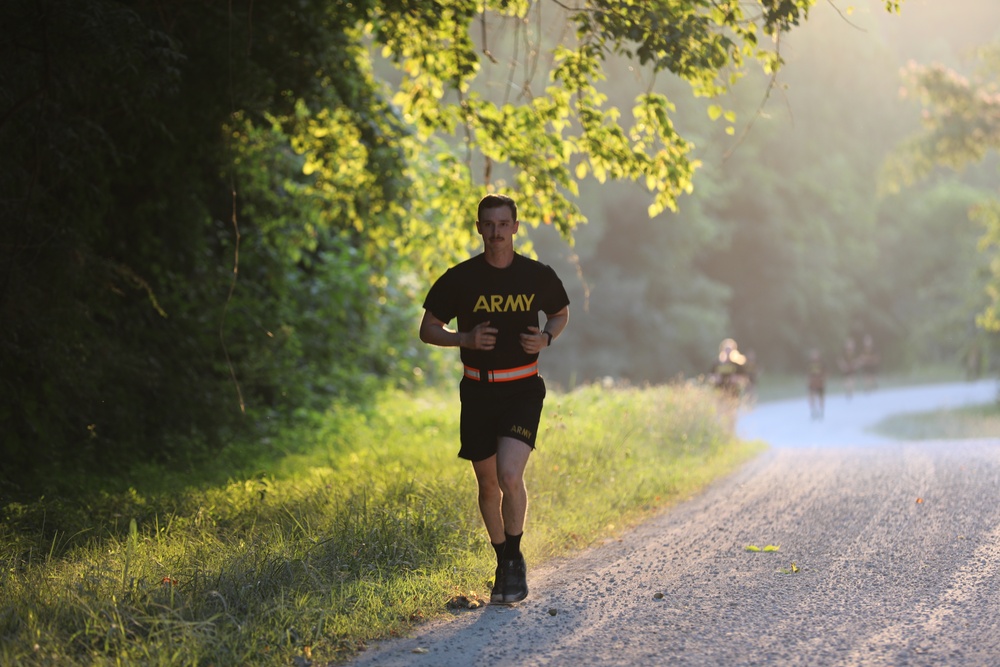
<point x="496" y="297"/>
<point x="848" y="364"/>
<point x="729" y="372"/>
<point x="816" y="384"/>
<point x="973" y="354"/>
<point x="868" y="363"/>
<point x="751" y="371"/>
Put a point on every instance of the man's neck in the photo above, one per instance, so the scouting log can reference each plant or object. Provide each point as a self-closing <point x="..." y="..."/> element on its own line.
<point x="499" y="259"/>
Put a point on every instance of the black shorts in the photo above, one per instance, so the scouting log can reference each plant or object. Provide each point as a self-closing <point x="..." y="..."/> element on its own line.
<point x="494" y="410"/>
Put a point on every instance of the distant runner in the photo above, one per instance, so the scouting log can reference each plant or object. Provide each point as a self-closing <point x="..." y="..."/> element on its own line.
<point x="868" y="363"/>
<point x="816" y="384"/>
<point x="729" y="372"/>
<point x="848" y="364"/>
<point x="751" y="371"/>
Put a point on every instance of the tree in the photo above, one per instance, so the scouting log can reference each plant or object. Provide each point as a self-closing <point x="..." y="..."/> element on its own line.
<point x="961" y="126"/>
<point x="777" y="245"/>
<point x="557" y="129"/>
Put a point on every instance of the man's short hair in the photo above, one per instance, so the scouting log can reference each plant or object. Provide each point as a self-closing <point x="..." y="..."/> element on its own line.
<point x="496" y="201"/>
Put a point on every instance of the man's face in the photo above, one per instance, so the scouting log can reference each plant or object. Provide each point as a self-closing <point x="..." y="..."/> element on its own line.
<point x="497" y="227"/>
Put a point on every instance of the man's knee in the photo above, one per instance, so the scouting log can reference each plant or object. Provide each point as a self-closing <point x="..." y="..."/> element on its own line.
<point x="512" y="458"/>
<point x="489" y="487"/>
<point x="489" y="491"/>
<point x="511" y="480"/>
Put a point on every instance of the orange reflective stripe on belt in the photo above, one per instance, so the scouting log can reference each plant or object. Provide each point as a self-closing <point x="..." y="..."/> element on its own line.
<point x="503" y="375"/>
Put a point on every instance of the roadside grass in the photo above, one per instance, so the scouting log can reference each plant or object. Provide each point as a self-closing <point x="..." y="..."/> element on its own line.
<point x="979" y="421"/>
<point x="333" y="535"/>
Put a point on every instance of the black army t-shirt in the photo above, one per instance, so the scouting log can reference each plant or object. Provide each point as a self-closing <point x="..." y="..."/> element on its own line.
<point x="509" y="299"/>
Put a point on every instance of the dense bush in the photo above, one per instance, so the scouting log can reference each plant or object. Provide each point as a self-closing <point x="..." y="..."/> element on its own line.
<point x="164" y="262"/>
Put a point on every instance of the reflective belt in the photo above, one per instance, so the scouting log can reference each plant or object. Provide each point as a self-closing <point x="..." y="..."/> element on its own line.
<point x="502" y="375"/>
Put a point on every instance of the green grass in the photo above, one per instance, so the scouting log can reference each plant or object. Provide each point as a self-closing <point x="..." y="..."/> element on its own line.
<point x="310" y="545"/>
<point x="980" y="421"/>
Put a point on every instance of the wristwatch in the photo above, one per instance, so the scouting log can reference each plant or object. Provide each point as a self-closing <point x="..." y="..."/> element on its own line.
<point x="549" y="335"/>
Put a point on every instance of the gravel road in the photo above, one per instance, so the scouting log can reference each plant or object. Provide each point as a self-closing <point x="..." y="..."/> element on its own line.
<point x="888" y="554"/>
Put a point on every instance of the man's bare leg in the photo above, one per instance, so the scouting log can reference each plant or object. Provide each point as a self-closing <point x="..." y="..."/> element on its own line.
<point x="490" y="498"/>
<point x="512" y="458"/>
<point x="490" y="501"/>
<point x="503" y="503"/>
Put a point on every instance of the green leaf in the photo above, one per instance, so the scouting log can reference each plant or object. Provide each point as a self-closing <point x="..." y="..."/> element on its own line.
<point x="794" y="569"/>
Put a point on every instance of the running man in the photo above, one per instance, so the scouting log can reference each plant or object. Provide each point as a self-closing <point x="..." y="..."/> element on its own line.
<point x="848" y="363"/>
<point x="496" y="297"/>
<point x="816" y="384"/>
<point x="868" y="363"/>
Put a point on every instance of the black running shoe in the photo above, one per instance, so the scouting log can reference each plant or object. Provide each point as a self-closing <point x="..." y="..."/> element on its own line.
<point x="498" y="585"/>
<point x="515" y="586"/>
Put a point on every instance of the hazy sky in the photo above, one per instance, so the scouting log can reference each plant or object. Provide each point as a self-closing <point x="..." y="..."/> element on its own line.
<point x="942" y="25"/>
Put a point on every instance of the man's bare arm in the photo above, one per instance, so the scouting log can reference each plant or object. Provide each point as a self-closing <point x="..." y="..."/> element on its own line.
<point x="435" y="332"/>
<point x="536" y="339"/>
<point x="556" y="322"/>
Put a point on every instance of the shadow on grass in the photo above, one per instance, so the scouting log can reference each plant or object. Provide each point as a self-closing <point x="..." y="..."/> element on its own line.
<point x="58" y="506"/>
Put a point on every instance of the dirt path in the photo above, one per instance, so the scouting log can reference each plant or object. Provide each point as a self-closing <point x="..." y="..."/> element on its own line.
<point x="896" y="553"/>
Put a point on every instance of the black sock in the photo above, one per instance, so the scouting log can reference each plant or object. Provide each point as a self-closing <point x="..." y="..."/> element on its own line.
<point x="499" y="548"/>
<point x="513" y="549"/>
